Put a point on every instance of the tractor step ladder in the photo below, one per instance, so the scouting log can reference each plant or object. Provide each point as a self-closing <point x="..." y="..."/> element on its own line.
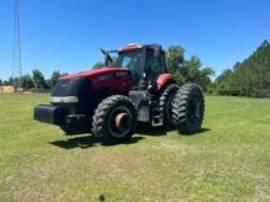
<point x="156" y="118"/>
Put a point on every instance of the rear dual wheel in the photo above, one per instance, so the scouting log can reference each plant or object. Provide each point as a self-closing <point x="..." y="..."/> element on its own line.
<point x="114" y="120"/>
<point x="188" y="108"/>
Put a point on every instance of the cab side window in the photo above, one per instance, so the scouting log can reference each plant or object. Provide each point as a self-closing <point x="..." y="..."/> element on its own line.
<point x="153" y="66"/>
<point x="163" y="63"/>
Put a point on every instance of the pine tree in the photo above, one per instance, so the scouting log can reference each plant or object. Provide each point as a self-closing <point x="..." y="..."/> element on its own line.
<point x="249" y="78"/>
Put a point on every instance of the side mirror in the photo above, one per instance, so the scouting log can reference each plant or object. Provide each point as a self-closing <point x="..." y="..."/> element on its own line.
<point x="107" y="58"/>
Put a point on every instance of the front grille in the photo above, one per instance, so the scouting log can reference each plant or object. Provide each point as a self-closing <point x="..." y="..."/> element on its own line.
<point x="62" y="88"/>
<point x="79" y="88"/>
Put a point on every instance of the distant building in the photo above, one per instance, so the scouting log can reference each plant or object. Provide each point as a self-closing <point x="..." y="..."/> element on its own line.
<point x="7" y="89"/>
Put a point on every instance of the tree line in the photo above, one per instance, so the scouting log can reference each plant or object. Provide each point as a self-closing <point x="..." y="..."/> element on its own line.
<point x="248" y="78"/>
<point x="34" y="80"/>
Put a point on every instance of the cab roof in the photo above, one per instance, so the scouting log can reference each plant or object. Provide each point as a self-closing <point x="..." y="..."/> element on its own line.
<point x="134" y="46"/>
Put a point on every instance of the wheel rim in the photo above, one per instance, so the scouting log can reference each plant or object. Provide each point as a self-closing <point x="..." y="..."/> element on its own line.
<point x="120" y="122"/>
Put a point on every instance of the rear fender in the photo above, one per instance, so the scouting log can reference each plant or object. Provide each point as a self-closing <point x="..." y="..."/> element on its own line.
<point x="164" y="80"/>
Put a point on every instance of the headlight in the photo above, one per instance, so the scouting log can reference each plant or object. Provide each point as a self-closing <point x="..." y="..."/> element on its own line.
<point x="65" y="99"/>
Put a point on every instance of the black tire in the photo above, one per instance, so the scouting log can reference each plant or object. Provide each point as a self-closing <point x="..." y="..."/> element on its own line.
<point x="104" y="121"/>
<point x="188" y="108"/>
<point x="165" y="105"/>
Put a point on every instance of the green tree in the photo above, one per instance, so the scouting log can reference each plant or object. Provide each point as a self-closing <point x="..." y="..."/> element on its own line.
<point x="176" y="59"/>
<point x="54" y="78"/>
<point x="5" y="82"/>
<point x="98" y="65"/>
<point x="39" y="79"/>
<point x="27" y="82"/>
<point x="224" y="76"/>
<point x="175" y="55"/>
<point x="11" y="81"/>
<point x="188" y="70"/>
<point x="250" y="77"/>
<point x="14" y="81"/>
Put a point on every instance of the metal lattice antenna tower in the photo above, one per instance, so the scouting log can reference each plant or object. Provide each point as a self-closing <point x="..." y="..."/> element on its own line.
<point x="16" y="57"/>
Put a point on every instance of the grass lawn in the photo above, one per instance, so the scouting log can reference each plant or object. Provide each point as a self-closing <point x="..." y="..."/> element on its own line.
<point x="228" y="161"/>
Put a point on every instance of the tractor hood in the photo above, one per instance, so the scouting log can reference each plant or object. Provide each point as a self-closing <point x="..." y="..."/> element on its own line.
<point x="93" y="73"/>
<point x="118" y="79"/>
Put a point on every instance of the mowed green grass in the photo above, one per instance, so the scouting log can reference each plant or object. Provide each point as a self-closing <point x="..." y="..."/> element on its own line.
<point x="229" y="161"/>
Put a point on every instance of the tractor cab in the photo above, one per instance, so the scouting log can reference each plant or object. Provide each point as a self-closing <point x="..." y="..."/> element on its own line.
<point x="147" y="65"/>
<point x="145" y="62"/>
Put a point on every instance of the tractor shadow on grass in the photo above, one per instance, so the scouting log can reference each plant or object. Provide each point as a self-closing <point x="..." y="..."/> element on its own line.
<point x="203" y="130"/>
<point x="85" y="142"/>
<point x="144" y="129"/>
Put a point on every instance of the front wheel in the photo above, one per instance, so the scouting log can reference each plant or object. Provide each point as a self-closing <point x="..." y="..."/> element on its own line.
<point x="188" y="108"/>
<point x="114" y="120"/>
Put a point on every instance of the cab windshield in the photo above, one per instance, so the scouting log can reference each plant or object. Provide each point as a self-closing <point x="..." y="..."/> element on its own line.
<point x="132" y="60"/>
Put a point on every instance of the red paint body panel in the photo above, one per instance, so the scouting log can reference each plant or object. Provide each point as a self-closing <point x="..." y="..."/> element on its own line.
<point x="163" y="79"/>
<point x="92" y="73"/>
<point x="113" y="77"/>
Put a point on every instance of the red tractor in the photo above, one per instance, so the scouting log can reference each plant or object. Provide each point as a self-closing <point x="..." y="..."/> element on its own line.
<point x="135" y="87"/>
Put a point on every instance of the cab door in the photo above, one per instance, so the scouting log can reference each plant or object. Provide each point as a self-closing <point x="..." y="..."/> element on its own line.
<point x="155" y="65"/>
